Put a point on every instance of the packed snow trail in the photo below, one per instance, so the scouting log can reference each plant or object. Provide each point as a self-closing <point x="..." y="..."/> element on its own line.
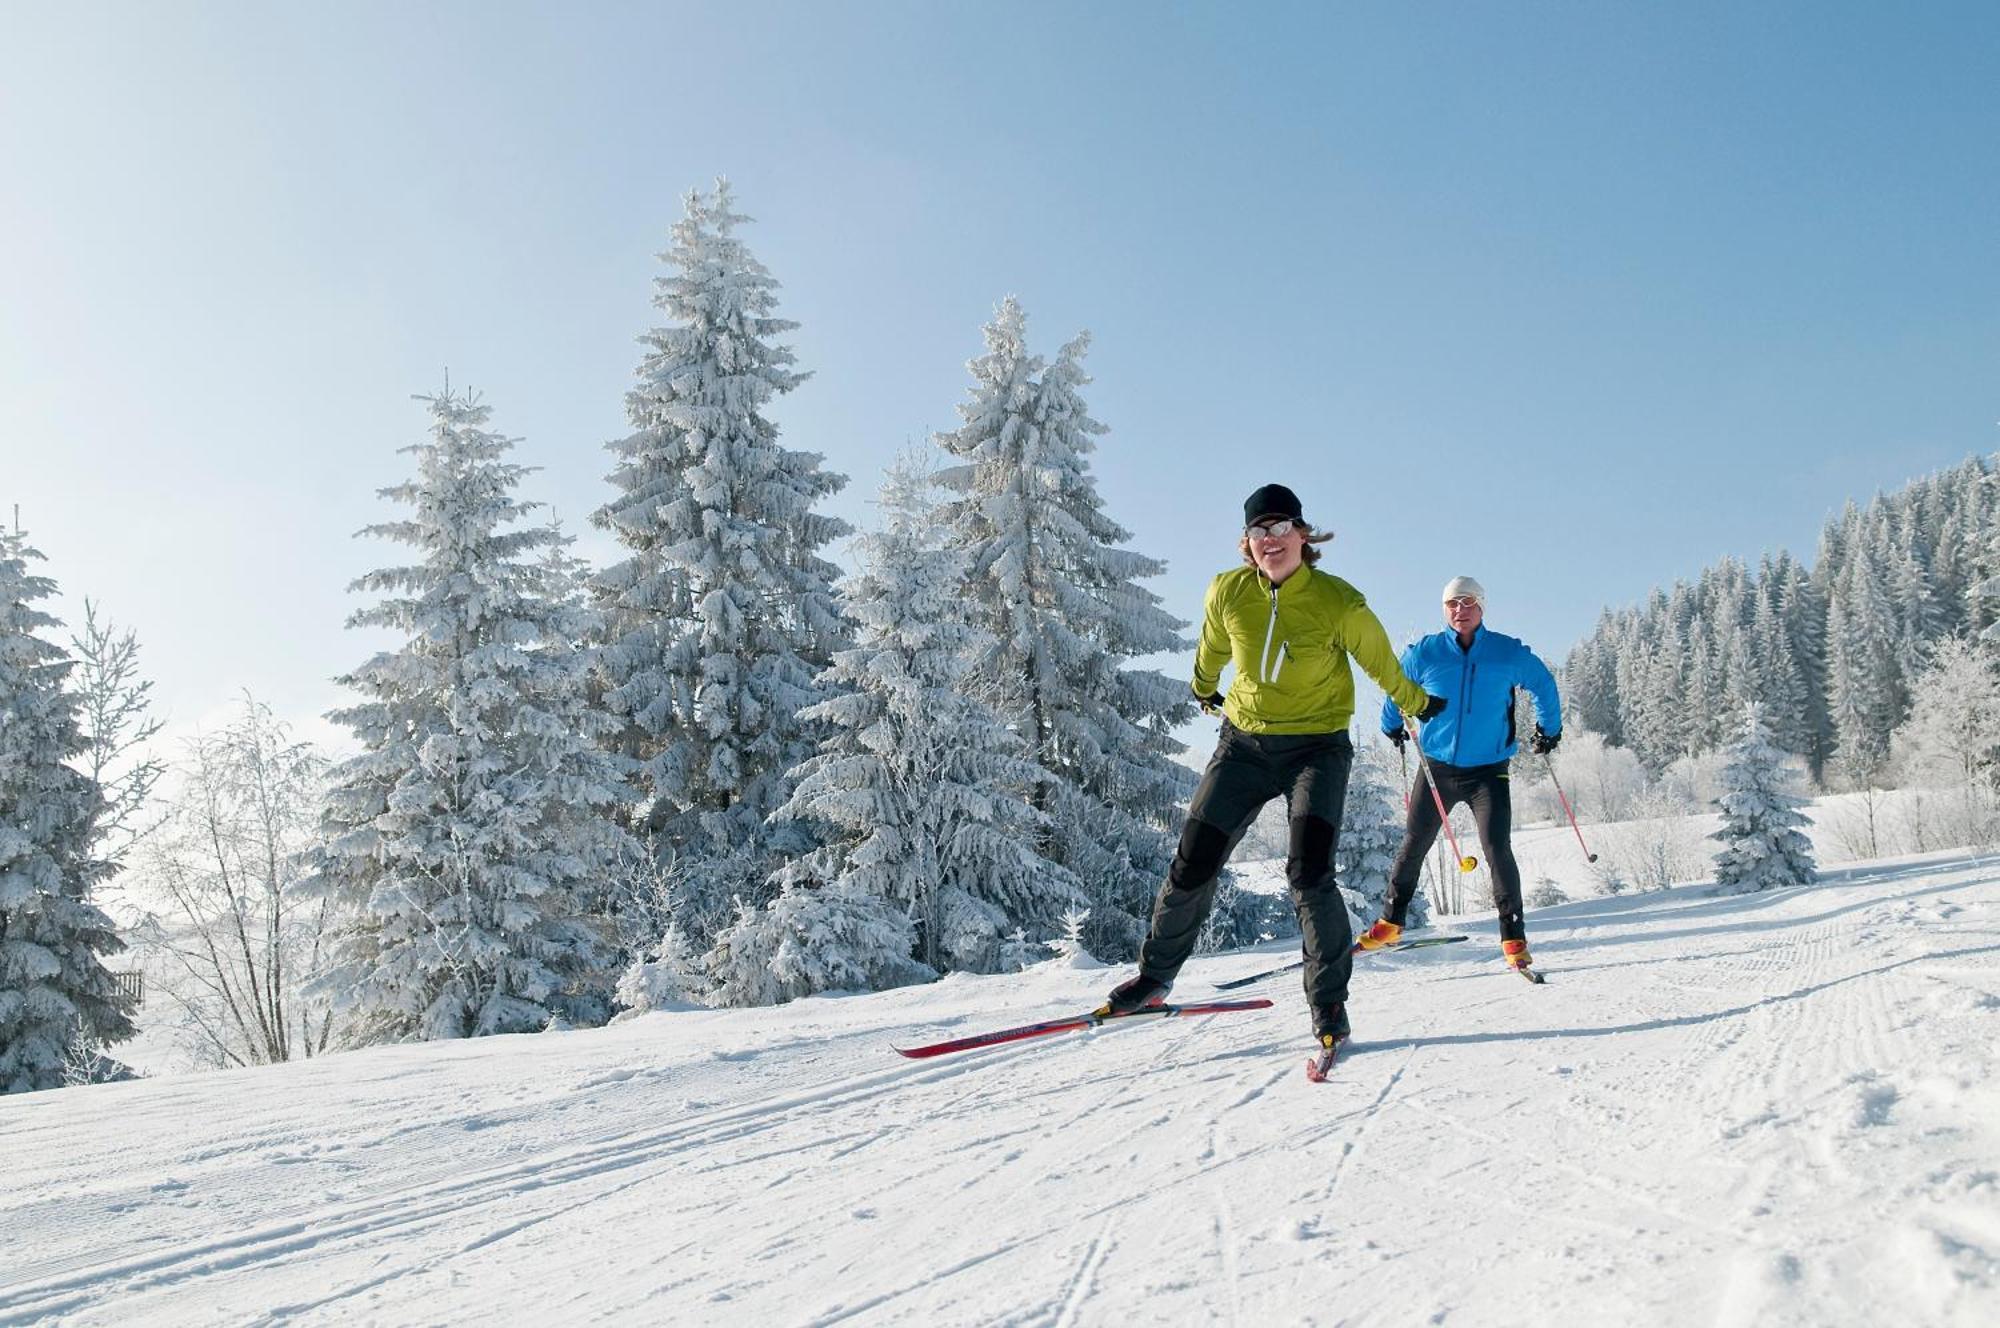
<point x="1772" y="1109"/>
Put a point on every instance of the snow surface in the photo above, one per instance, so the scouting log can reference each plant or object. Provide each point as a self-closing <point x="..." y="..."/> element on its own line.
<point x="1767" y="1109"/>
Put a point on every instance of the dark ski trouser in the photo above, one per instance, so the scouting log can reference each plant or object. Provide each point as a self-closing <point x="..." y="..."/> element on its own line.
<point x="1309" y="770"/>
<point x="1485" y="789"/>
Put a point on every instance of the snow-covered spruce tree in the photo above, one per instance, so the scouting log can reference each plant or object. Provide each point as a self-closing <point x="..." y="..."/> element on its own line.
<point x="1865" y="684"/>
<point x="1064" y="613"/>
<point x="1371" y="830"/>
<point x="468" y="841"/>
<point x="58" y="1003"/>
<point x="919" y="794"/>
<point x="723" y="614"/>
<point x="1762" y="845"/>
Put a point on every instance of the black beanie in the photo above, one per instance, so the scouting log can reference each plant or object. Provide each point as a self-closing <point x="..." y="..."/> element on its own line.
<point x="1272" y="500"/>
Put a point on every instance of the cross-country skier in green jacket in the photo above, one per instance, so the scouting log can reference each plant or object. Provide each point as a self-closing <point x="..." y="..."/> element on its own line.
<point x="1290" y="630"/>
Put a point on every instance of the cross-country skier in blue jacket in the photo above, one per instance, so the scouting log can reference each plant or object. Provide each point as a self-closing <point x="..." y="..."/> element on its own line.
<point x="1468" y="746"/>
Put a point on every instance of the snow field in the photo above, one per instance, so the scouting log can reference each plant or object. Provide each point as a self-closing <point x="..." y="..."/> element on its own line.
<point x="1764" y="1109"/>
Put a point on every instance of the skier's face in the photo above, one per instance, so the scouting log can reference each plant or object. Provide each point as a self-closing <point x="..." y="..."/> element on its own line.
<point x="1277" y="555"/>
<point x="1463" y="613"/>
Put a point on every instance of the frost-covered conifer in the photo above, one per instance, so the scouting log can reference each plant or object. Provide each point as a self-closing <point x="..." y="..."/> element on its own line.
<point x="469" y="841"/>
<point x="1762" y="845"/>
<point x="1865" y="685"/>
<point x="724" y="612"/>
<point x="57" y="1001"/>
<point x="919" y="794"/>
<point x="1777" y="683"/>
<point x="1371" y="830"/>
<point x="1065" y="615"/>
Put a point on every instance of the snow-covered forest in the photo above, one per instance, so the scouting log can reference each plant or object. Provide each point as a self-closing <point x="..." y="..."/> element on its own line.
<point x="716" y="772"/>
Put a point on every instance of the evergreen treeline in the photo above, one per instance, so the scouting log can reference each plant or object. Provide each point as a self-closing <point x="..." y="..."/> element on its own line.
<point x="1830" y="653"/>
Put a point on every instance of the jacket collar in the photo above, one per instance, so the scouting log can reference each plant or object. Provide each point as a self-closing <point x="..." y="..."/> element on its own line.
<point x="1286" y="586"/>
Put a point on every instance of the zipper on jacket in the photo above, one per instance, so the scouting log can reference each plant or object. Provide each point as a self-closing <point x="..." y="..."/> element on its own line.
<point x="1464" y="691"/>
<point x="1279" y="667"/>
<point x="1264" y="660"/>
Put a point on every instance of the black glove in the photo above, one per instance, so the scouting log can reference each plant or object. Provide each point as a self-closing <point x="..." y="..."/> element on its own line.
<point x="1210" y="704"/>
<point x="1398" y="735"/>
<point x="1543" y="743"/>
<point x="1433" y="707"/>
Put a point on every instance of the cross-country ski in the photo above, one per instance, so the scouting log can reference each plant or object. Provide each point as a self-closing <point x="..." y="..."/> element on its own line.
<point x="1076" y="1024"/>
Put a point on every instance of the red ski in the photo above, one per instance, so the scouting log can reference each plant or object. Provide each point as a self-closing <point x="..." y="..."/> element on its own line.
<point x="1074" y="1024"/>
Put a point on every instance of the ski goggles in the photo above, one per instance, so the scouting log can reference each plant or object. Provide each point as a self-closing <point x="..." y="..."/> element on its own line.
<point x="1463" y="602"/>
<point x="1278" y="529"/>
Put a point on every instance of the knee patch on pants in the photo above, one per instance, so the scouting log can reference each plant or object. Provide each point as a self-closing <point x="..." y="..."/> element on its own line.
<point x="1310" y="861"/>
<point x="1201" y="854"/>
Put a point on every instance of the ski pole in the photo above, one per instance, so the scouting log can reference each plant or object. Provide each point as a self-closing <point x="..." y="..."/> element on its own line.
<point x="1566" y="811"/>
<point x="1465" y="864"/>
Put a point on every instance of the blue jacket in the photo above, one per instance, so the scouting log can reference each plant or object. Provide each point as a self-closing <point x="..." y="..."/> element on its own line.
<point x="1477" y="726"/>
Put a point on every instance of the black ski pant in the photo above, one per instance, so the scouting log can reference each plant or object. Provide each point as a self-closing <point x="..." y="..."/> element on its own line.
<point x="1485" y="789"/>
<point x="1309" y="770"/>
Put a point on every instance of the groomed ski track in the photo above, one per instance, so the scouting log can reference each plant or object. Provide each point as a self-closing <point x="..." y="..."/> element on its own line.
<point x="1774" y="1109"/>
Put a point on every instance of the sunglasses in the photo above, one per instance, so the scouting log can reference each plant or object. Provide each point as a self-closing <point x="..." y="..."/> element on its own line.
<point x="1463" y="602"/>
<point x="1272" y="529"/>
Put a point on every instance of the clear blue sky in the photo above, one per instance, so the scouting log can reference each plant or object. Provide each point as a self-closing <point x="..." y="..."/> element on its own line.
<point x="1576" y="298"/>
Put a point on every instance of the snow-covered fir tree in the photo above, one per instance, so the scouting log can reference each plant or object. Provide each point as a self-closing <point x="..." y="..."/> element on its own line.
<point x="919" y="795"/>
<point x="1064" y="616"/>
<point x="1982" y="531"/>
<point x="723" y="613"/>
<point x="1371" y="830"/>
<point x="1763" y="847"/>
<point x="468" y="843"/>
<point x="1865" y="686"/>
<point x="58" y="1003"/>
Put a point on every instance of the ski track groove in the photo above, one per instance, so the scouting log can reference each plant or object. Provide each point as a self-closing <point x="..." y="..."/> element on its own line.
<point x="1226" y="1248"/>
<point x="281" y="1236"/>
<point x="1054" y="1223"/>
<point x="1082" y="1280"/>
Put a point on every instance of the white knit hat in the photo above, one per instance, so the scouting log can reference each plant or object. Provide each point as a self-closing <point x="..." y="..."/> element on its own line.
<point x="1464" y="585"/>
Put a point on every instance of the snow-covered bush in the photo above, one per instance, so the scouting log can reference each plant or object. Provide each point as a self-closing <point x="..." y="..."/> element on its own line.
<point x="1951" y="740"/>
<point x="1068" y="944"/>
<point x="813" y="939"/>
<point x="1545" y="893"/>
<point x="667" y="977"/>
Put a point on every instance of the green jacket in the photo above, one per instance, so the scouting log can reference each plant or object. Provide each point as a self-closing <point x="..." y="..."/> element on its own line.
<point x="1290" y="644"/>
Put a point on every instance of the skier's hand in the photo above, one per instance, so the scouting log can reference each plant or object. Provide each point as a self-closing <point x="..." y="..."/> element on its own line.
<point x="1543" y="743"/>
<point x="1211" y="704"/>
<point x="1433" y="707"/>
<point x="1398" y="735"/>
